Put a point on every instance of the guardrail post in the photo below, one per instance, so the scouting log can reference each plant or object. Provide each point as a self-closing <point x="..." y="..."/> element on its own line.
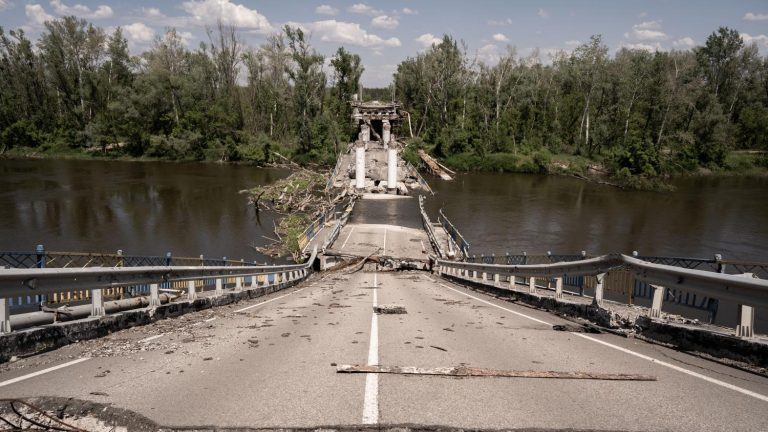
<point x="97" y="303"/>
<point x="5" y="315"/>
<point x="191" y="292"/>
<point x="720" y="265"/>
<point x="658" y="300"/>
<point x="746" y="321"/>
<point x="219" y="286"/>
<point x="238" y="284"/>
<point x="532" y="285"/>
<point x="120" y="260"/>
<point x="599" y="290"/>
<point x="512" y="281"/>
<point x="154" y="295"/>
<point x="559" y="288"/>
<point x="40" y="251"/>
<point x="168" y="259"/>
<point x="496" y="279"/>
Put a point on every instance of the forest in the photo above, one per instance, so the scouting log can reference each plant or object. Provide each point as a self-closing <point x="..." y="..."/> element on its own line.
<point x="632" y="116"/>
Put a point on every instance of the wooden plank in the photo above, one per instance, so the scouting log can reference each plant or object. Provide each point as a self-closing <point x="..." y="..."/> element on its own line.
<point x="433" y="165"/>
<point x="465" y="371"/>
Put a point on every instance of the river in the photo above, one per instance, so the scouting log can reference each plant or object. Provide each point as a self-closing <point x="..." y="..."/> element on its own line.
<point x="195" y="208"/>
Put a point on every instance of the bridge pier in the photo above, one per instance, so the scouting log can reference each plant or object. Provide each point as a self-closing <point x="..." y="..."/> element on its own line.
<point x="658" y="300"/>
<point x="391" y="164"/>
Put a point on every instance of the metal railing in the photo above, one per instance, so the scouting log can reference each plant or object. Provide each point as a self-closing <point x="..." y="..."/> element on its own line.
<point x="748" y="292"/>
<point x="430" y="229"/>
<point x="94" y="281"/>
<point x="455" y="236"/>
<point x="418" y="177"/>
<point x="340" y="222"/>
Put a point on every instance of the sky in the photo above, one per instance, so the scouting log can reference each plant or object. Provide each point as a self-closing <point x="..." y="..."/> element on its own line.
<point x="384" y="33"/>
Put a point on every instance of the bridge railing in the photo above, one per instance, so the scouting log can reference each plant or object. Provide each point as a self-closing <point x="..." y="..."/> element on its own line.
<point x="340" y="222"/>
<point x="430" y="229"/>
<point x="747" y="292"/>
<point x="453" y="234"/>
<point x="418" y="177"/>
<point x="95" y="283"/>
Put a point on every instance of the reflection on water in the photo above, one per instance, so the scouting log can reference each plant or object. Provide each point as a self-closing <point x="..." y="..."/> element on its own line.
<point x="500" y="213"/>
<point x="142" y="208"/>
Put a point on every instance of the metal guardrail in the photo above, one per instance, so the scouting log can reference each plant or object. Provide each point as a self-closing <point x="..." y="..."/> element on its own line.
<point x="22" y="282"/>
<point x="340" y="222"/>
<point x="746" y="291"/>
<point x="419" y="178"/>
<point x="454" y="234"/>
<point x="430" y="229"/>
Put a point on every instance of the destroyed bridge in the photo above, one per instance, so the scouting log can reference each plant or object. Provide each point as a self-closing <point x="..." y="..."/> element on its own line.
<point x="391" y="321"/>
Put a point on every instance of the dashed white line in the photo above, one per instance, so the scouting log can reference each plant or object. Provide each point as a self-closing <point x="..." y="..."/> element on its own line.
<point x="44" y="371"/>
<point x="633" y="353"/>
<point x="348" y="236"/>
<point x="677" y="368"/>
<point x="268" y="301"/>
<point x="500" y="307"/>
<point x="151" y="338"/>
<point x="371" y="400"/>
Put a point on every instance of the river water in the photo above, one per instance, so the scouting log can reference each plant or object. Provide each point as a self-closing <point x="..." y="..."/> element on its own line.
<point x="195" y="208"/>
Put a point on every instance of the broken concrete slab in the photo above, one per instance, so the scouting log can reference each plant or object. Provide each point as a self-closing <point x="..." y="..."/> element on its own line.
<point x="389" y="309"/>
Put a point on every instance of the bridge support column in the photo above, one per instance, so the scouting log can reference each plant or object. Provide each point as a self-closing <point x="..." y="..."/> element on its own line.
<point x="746" y="321"/>
<point x="365" y="132"/>
<point x="5" y="315"/>
<point x="658" y="300"/>
<point x="559" y="288"/>
<point x="532" y="285"/>
<point x="97" y="303"/>
<point x="360" y="165"/>
<point x="391" y="165"/>
<point x="598" y="301"/>
<point x="191" y="291"/>
<point x="154" y="295"/>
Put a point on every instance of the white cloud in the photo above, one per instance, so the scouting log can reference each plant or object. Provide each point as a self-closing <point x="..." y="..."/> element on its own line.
<point x="642" y="14"/>
<point x="572" y="43"/>
<point x="761" y="40"/>
<point x="749" y="16"/>
<point x="79" y="10"/>
<point x="428" y="39"/>
<point x="646" y="31"/>
<point x="362" y="8"/>
<point x="6" y="4"/>
<point x="409" y="11"/>
<point x="488" y="54"/>
<point x="643" y="46"/>
<point x="501" y="22"/>
<point x="152" y="13"/>
<point x="347" y="33"/>
<point x="385" y="22"/>
<point x="499" y="37"/>
<point x="139" y="33"/>
<point x="37" y="14"/>
<point x="326" y="10"/>
<point x="685" y="43"/>
<point x="208" y="12"/>
<point x="543" y="13"/>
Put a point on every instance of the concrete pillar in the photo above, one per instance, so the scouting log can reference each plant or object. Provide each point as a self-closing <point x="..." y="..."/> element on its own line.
<point x="219" y="286"/>
<point x="496" y="279"/>
<point x="365" y="130"/>
<point x="360" y="165"/>
<point x="532" y="285"/>
<point x="474" y="274"/>
<point x="512" y="282"/>
<point x="5" y="315"/>
<point x="658" y="300"/>
<point x="386" y="129"/>
<point x="599" y="290"/>
<point x="559" y="288"/>
<point x="238" y="283"/>
<point x="154" y="295"/>
<point x="97" y="303"/>
<point x="191" y="292"/>
<point x="392" y="167"/>
<point x="746" y="321"/>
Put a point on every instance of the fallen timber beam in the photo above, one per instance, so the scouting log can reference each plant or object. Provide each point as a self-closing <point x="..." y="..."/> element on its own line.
<point x="465" y="371"/>
<point x="433" y="165"/>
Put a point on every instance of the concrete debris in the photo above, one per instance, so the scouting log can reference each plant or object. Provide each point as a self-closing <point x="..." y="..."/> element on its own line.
<point x="466" y="371"/>
<point x="389" y="309"/>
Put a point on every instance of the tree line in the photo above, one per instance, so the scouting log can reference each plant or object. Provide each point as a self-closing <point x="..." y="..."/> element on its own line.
<point x="639" y="113"/>
<point x="79" y="88"/>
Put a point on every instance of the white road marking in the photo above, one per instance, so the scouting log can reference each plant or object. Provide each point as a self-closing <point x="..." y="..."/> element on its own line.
<point x="348" y="236"/>
<point x="384" y="252"/>
<point x="500" y="307"/>
<point x="41" y="372"/>
<point x="268" y="301"/>
<point x="677" y="368"/>
<point x="636" y="354"/>
<point x="371" y="401"/>
<point x="151" y="338"/>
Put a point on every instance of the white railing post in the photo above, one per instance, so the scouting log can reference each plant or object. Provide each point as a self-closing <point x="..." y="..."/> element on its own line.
<point x="532" y="285"/>
<point x="154" y="295"/>
<point x="746" y="321"/>
<point x="219" y="286"/>
<point x="97" y="303"/>
<point x="599" y="290"/>
<point x="496" y="279"/>
<point x="5" y="315"/>
<point x="658" y="300"/>
<point x="559" y="288"/>
<point x="238" y="284"/>
<point x="191" y="292"/>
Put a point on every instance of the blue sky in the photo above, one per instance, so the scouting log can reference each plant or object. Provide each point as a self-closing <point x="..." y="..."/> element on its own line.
<point x="386" y="32"/>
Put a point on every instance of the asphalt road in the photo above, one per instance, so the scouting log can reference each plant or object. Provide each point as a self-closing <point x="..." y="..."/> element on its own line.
<point x="271" y="365"/>
<point x="384" y="240"/>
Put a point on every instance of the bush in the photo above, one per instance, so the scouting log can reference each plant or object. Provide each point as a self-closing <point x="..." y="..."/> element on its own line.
<point x="20" y="134"/>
